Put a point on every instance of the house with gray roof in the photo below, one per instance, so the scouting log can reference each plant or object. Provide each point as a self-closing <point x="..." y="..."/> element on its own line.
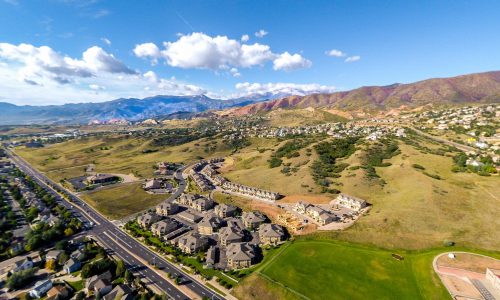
<point x="271" y="234"/>
<point x="230" y="234"/>
<point x="225" y="210"/>
<point x="192" y="243"/>
<point x="210" y="224"/>
<point x="253" y="219"/>
<point x="164" y="227"/>
<point x="147" y="219"/>
<point x="240" y="255"/>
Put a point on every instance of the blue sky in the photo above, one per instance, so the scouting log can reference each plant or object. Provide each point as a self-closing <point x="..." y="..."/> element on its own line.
<point x="60" y="51"/>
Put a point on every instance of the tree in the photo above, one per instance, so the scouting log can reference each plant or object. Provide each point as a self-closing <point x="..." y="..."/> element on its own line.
<point x="80" y="296"/>
<point x="120" y="268"/>
<point x="68" y="232"/>
<point x="63" y="258"/>
<point x="20" y="279"/>
<point x="50" y="265"/>
<point x="128" y="276"/>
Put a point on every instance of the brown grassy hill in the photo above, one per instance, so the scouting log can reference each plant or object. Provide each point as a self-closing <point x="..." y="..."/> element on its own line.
<point x="473" y="88"/>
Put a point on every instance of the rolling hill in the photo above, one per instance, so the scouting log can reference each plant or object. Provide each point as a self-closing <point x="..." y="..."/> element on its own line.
<point x="472" y="88"/>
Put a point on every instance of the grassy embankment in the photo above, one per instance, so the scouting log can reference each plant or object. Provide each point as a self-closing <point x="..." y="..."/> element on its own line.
<point x="326" y="269"/>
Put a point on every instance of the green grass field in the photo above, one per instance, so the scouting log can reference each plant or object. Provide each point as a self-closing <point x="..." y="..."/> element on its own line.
<point x="121" y="201"/>
<point x="326" y="269"/>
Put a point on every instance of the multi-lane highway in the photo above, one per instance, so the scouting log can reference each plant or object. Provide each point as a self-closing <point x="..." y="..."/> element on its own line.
<point x="137" y="256"/>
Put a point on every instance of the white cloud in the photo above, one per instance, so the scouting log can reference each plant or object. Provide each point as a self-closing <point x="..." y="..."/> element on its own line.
<point x="246" y="88"/>
<point x="261" y="33"/>
<point x="353" y="58"/>
<point x="106" y="41"/>
<point x="234" y="72"/>
<point x="335" y="53"/>
<point x="100" y="13"/>
<point x="41" y="63"/>
<point x="245" y="38"/>
<point x="148" y="50"/>
<point x="200" y="51"/>
<point x="40" y="75"/>
<point x="288" y="62"/>
<point x="96" y="87"/>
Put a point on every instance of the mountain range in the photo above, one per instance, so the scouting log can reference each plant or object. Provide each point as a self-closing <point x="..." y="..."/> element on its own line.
<point x="131" y="109"/>
<point x="472" y="88"/>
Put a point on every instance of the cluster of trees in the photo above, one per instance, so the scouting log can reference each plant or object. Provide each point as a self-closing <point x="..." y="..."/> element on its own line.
<point x="7" y="224"/>
<point x="327" y="166"/>
<point x="289" y="149"/>
<point x="21" y="278"/>
<point x="178" y="136"/>
<point x="486" y="167"/>
<point x="375" y="155"/>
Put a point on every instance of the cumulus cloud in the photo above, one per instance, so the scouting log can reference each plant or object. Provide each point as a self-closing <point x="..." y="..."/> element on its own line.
<point x="43" y="62"/>
<point x="261" y="33"/>
<point x="335" y="53"/>
<point x="353" y="58"/>
<point x="288" y="62"/>
<point x="245" y="38"/>
<point x="234" y="72"/>
<point x="40" y="75"/>
<point x="200" y="51"/>
<point x="246" y="88"/>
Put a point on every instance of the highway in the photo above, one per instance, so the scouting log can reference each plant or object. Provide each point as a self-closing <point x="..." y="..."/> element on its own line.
<point x="137" y="256"/>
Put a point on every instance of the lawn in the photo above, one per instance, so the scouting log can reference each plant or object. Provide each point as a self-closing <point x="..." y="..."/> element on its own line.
<point x="338" y="271"/>
<point x="327" y="269"/>
<point x="121" y="201"/>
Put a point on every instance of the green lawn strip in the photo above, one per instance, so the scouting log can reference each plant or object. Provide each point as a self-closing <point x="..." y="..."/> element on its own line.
<point x="339" y="270"/>
<point x="76" y="285"/>
<point x="215" y="289"/>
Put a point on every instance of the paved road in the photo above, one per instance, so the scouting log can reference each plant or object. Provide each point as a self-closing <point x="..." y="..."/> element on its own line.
<point x="133" y="253"/>
<point x="464" y="148"/>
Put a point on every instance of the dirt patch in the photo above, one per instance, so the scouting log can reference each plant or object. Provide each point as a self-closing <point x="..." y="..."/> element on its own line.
<point x="313" y="199"/>
<point x="469" y="262"/>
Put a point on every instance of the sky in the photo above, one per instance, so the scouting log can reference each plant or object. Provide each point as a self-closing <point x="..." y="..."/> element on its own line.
<point x="69" y="51"/>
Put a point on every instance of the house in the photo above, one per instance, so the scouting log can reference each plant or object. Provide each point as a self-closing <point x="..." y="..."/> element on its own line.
<point x="212" y="257"/>
<point x="72" y="265"/>
<point x="202" y="204"/>
<point x="187" y="199"/>
<point x="102" y="179"/>
<point x="192" y="243"/>
<point x="188" y="216"/>
<point x="351" y="202"/>
<point x="210" y="224"/>
<point x="225" y="210"/>
<point x="78" y="254"/>
<point x="40" y="288"/>
<point x="230" y="234"/>
<point x="253" y="219"/>
<point x="147" y="219"/>
<point x="152" y="184"/>
<point x="90" y="282"/>
<point x="167" y="208"/>
<point x="164" y="227"/>
<point x="271" y="234"/>
<point x="314" y="211"/>
<point x="21" y="264"/>
<point x="121" y="291"/>
<point x="58" y="292"/>
<point x="240" y="255"/>
<point x="326" y="218"/>
<point x="102" y="287"/>
<point x="301" y="207"/>
<point x="53" y="255"/>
